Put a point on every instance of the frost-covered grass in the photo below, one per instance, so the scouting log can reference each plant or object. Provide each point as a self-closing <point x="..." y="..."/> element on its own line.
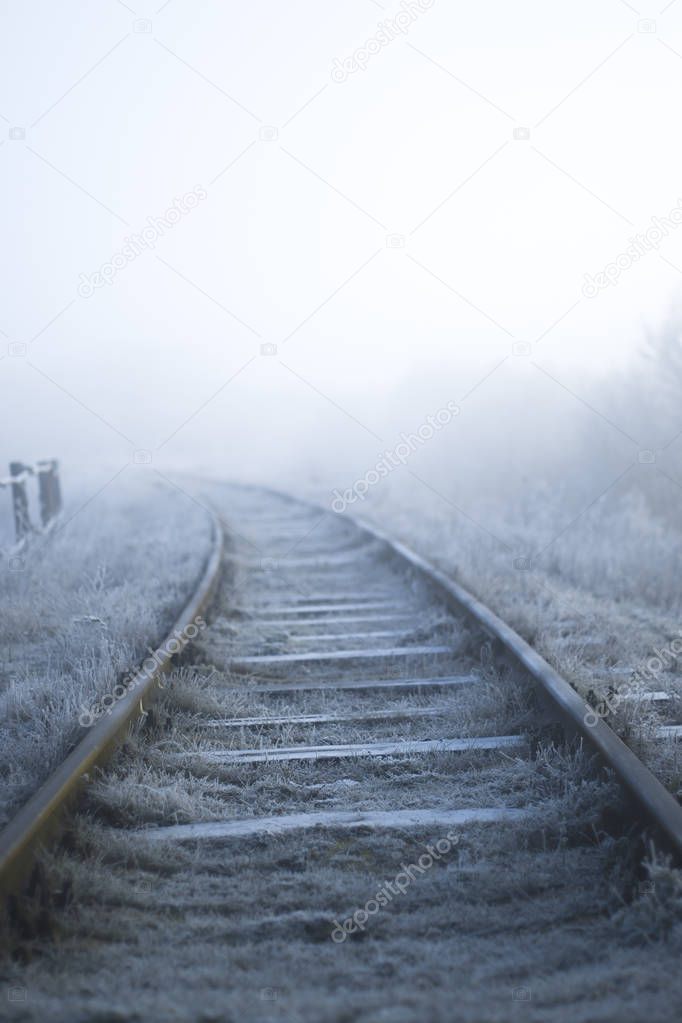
<point x="565" y="517"/>
<point x="541" y="917"/>
<point x="81" y="613"/>
<point x="533" y="919"/>
<point x="596" y="599"/>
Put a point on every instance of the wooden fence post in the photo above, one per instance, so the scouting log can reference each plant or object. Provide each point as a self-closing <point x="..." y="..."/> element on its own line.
<point x="56" y="488"/>
<point x="49" y="492"/>
<point x="22" y="521"/>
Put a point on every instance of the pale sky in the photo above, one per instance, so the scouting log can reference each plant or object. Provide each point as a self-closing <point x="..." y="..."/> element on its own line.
<point x="383" y="231"/>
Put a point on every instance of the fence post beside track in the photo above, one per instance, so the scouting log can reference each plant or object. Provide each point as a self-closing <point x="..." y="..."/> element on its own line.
<point x="46" y="472"/>
<point x="56" y="489"/>
<point x="49" y="491"/>
<point x="22" y="521"/>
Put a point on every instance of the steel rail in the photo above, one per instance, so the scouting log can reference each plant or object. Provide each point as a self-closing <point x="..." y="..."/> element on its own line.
<point x="41" y="816"/>
<point x="655" y="805"/>
<point x="653" y="801"/>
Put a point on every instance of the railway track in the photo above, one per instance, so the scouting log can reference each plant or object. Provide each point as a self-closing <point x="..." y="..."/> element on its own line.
<point x="346" y="795"/>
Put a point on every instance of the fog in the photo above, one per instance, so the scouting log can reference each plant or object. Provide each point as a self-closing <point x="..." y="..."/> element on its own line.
<point x="412" y="261"/>
<point x="401" y="202"/>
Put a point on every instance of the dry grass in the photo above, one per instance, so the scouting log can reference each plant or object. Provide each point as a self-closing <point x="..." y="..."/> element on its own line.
<point x="81" y="614"/>
<point x="543" y="919"/>
<point x="241" y="931"/>
<point x="597" y="605"/>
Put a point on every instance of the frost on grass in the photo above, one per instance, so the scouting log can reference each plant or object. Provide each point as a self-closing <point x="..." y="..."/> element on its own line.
<point x="531" y="911"/>
<point x="598" y="605"/>
<point x="560" y="509"/>
<point x="80" y="615"/>
<point x="223" y="928"/>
